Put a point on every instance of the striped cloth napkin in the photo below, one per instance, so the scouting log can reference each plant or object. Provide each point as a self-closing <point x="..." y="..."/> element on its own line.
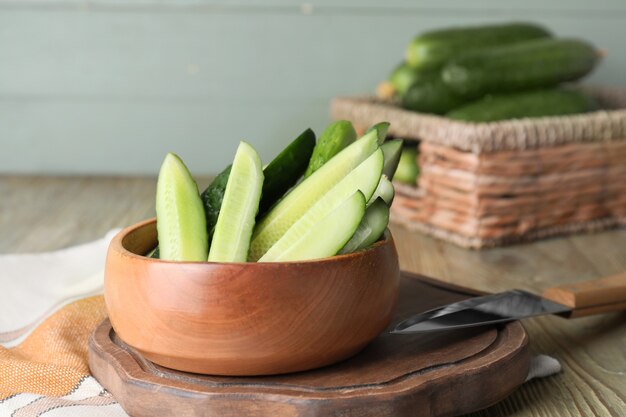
<point x="49" y="305"/>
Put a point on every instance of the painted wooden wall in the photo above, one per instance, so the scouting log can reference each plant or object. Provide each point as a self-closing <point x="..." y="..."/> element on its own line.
<point x="109" y="86"/>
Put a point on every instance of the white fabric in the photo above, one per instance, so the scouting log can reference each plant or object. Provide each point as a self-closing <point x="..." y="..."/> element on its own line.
<point x="88" y="399"/>
<point x="33" y="286"/>
<point x="542" y="366"/>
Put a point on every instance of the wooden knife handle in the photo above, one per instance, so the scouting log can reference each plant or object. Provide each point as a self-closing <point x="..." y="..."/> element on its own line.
<point x="598" y="296"/>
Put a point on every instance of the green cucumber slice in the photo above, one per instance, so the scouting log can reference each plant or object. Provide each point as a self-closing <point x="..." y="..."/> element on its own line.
<point x="381" y="129"/>
<point x="302" y="197"/>
<point x="371" y="228"/>
<point x="181" y="225"/>
<point x="337" y="136"/>
<point x="235" y="222"/>
<point x="392" y="149"/>
<point x="319" y="237"/>
<point x="384" y="190"/>
<point x="286" y="169"/>
<point x="363" y="178"/>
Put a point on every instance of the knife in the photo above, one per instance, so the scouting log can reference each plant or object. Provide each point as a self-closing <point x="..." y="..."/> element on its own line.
<point x="575" y="300"/>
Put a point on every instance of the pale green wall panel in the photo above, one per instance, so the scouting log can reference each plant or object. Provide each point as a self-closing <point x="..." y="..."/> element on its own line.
<point x="110" y="86"/>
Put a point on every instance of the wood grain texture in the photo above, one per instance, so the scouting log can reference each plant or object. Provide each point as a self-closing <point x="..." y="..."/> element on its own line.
<point x="247" y="318"/>
<point x="436" y="375"/>
<point x="38" y="213"/>
<point x="599" y="296"/>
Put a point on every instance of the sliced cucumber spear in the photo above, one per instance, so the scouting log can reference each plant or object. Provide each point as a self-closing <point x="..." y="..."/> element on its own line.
<point x="235" y="221"/>
<point x="302" y="197"/>
<point x="322" y="237"/>
<point x="286" y="169"/>
<point x="384" y="190"/>
<point x="181" y="225"/>
<point x="392" y="149"/>
<point x="371" y="228"/>
<point x="364" y="178"/>
<point x="381" y="130"/>
<point x="337" y="136"/>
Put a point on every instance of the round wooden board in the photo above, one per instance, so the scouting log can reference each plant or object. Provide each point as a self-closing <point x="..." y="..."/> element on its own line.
<point x="432" y="374"/>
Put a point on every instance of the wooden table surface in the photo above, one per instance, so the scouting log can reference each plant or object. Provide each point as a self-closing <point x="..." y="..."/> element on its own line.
<point x="41" y="213"/>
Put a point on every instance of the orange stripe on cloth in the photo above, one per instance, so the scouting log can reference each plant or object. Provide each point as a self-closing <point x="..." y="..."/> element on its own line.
<point x="53" y="358"/>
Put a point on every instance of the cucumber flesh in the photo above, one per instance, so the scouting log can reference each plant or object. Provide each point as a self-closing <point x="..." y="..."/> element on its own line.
<point x="363" y="178"/>
<point x="181" y="225"/>
<point x="371" y="228"/>
<point x="302" y="197"/>
<point x="381" y="129"/>
<point x="384" y="191"/>
<point x="392" y="149"/>
<point x="323" y="236"/>
<point x="337" y="136"/>
<point x="286" y="169"/>
<point x="240" y="205"/>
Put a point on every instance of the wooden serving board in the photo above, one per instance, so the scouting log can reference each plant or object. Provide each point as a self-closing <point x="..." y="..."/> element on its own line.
<point x="432" y="374"/>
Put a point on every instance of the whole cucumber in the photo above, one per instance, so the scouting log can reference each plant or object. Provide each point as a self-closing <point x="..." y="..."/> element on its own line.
<point x="527" y="104"/>
<point x="337" y="136"/>
<point x="403" y="76"/>
<point x="524" y="66"/>
<point x="431" y="96"/>
<point x="433" y="49"/>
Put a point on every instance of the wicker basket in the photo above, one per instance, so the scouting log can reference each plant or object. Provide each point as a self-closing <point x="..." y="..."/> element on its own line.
<point x="490" y="184"/>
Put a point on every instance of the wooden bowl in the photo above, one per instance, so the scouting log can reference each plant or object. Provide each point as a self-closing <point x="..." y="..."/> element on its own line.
<point x="247" y="318"/>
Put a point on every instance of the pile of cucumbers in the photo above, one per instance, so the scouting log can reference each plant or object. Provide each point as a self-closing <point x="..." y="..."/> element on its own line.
<point x="495" y="72"/>
<point x="314" y="200"/>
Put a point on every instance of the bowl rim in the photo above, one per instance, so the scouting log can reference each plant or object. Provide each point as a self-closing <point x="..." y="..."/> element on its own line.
<point x="117" y="243"/>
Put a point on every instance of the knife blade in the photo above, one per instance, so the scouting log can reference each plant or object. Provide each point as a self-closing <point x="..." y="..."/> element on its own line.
<point x="576" y="300"/>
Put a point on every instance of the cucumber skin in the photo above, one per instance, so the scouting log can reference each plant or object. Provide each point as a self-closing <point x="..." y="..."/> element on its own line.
<point x="431" y="96"/>
<point x="392" y="149"/>
<point x="286" y="169"/>
<point x="337" y="136"/>
<point x="431" y="50"/>
<point x="372" y="227"/>
<point x="530" y="65"/>
<point x="381" y="129"/>
<point x="384" y="191"/>
<point x="212" y="198"/>
<point x="527" y="104"/>
<point x="403" y="76"/>
<point x="408" y="170"/>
